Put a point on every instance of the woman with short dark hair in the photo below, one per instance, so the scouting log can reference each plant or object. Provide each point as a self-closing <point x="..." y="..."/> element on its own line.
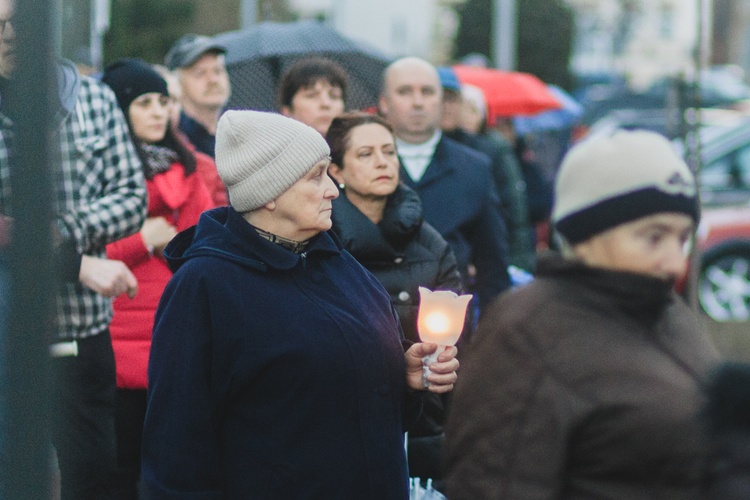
<point x="313" y="91"/>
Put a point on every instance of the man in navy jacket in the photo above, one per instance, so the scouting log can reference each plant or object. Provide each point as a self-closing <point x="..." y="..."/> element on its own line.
<point x="454" y="181"/>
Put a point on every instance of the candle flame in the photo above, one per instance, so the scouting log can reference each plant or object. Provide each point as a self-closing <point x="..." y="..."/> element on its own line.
<point x="437" y="323"/>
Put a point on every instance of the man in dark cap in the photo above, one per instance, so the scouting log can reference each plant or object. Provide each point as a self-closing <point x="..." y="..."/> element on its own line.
<point x="199" y="63"/>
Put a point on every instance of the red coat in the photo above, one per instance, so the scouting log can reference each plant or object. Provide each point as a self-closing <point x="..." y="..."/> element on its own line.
<point x="206" y="168"/>
<point x="180" y="200"/>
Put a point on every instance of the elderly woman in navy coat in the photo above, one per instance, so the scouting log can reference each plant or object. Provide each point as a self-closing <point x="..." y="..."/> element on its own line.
<point x="277" y="368"/>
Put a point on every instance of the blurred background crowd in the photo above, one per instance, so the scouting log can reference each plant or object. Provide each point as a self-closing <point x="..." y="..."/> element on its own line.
<point x="672" y="67"/>
<point x="666" y="66"/>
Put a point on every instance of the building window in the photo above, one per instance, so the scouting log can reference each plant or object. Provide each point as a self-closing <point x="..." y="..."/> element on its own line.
<point x="666" y="21"/>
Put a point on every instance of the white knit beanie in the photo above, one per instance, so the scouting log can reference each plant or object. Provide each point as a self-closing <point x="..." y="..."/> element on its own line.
<point x="261" y="155"/>
<point x="609" y="180"/>
<point x="475" y="96"/>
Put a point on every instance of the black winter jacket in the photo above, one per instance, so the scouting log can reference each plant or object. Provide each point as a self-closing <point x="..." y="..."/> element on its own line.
<point x="402" y="251"/>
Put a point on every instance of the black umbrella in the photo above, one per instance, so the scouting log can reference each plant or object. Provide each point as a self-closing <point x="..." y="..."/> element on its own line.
<point x="257" y="57"/>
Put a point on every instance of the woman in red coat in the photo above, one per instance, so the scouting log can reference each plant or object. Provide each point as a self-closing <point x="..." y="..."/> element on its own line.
<point x="176" y="197"/>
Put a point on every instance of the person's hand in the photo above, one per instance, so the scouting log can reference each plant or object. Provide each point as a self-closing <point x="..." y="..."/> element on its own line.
<point x="157" y="232"/>
<point x="443" y="374"/>
<point x="107" y="277"/>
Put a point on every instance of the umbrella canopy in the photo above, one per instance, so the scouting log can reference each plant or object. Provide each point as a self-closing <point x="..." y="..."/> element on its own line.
<point x="508" y="93"/>
<point x="555" y="119"/>
<point x="257" y="57"/>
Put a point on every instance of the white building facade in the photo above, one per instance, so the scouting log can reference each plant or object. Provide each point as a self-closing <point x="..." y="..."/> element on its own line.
<point x="422" y="28"/>
<point x="640" y="39"/>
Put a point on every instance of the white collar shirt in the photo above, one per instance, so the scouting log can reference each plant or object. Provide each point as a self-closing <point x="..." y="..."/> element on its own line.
<point x="416" y="157"/>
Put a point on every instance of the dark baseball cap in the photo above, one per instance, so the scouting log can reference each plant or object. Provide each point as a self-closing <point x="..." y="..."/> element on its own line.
<point x="189" y="48"/>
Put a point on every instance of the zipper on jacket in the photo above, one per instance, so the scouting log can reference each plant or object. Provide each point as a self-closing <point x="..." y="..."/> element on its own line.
<point x="303" y="259"/>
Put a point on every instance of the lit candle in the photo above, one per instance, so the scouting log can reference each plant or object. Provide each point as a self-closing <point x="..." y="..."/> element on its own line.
<point x="440" y="321"/>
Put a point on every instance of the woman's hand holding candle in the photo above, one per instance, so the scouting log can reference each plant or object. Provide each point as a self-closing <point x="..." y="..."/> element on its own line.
<point x="442" y="374"/>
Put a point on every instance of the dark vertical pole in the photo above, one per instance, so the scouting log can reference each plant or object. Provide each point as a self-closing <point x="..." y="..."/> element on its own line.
<point x="30" y="100"/>
<point x="693" y="138"/>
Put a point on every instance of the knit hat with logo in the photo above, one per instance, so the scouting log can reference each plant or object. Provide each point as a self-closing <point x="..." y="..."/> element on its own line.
<point x="609" y="180"/>
<point x="260" y="155"/>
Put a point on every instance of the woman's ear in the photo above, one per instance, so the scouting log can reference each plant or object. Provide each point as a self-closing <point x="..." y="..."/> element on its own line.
<point x="335" y="172"/>
<point x="286" y="111"/>
<point x="271" y="205"/>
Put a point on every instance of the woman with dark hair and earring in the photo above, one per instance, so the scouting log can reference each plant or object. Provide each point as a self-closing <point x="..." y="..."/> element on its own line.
<point x="379" y="220"/>
<point x="205" y="165"/>
<point x="176" y="198"/>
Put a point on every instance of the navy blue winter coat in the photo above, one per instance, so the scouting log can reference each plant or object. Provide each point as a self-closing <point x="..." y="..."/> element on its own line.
<point x="460" y="200"/>
<point x="273" y="375"/>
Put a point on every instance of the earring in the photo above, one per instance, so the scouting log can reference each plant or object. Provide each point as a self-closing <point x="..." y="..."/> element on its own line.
<point x="342" y="185"/>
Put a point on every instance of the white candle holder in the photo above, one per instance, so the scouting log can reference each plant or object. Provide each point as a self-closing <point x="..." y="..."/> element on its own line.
<point x="440" y="321"/>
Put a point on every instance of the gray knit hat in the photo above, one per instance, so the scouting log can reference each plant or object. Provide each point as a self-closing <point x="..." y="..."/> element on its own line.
<point x="612" y="179"/>
<point x="261" y="155"/>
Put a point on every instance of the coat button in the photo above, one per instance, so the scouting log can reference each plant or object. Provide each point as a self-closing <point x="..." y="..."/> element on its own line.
<point x="404" y="296"/>
<point x="398" y="260"/>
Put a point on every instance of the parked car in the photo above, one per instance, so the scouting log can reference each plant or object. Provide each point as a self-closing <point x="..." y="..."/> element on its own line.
<point x="724" y="173"/>
<point x="723" y="238"/>
<point x="723" y="280"/>
<point x="666" y="122"/>
<point x="719" y="87"/>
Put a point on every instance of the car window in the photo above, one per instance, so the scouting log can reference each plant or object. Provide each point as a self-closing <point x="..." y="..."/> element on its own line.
<point x="728" y="172"/>
<point x="726" y="179"/>
<point x="717" y="175"/>
<point x="743" y="167"/>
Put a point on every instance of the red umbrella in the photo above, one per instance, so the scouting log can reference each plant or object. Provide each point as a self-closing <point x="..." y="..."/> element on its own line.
<point x="509" y="93"/>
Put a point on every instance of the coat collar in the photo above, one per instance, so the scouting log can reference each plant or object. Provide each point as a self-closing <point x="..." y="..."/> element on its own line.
<point x="641" y="296"/>
<point x="173" y="186"/>
<point x="367" y="241"/>
<point x="224" y="233"/>
<point x="439" y="166"/>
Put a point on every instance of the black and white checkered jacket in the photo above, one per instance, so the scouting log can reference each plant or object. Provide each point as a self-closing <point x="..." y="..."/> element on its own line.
<point x="100" y="195"/>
